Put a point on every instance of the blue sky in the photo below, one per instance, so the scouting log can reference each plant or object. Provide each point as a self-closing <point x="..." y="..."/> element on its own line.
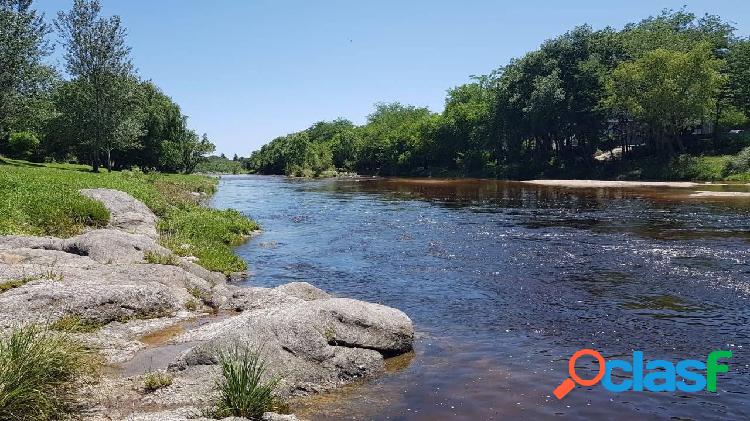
<point x="246" y="71"/>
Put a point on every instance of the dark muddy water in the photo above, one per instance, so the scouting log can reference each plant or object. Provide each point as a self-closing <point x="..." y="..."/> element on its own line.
<point x="504" y="281"/>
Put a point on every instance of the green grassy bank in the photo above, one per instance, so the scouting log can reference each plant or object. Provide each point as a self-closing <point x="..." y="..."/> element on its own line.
<point x="43" y="199"/>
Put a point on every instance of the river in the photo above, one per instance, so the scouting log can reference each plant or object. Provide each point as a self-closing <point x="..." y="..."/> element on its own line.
<point x="504" y="281"/>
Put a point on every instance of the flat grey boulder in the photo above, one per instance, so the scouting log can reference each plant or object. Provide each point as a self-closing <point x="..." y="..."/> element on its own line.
<point x="126" y="213"/>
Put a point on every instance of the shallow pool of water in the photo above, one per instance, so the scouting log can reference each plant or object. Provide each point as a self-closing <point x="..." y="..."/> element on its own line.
<point x="504" y="281"/>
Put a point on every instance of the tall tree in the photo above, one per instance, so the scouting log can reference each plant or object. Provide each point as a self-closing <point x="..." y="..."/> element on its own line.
<point x="192" y="149"/>
<point x="738" y="71"/>
<point x="98" y="60"/>
<point x="23" y="77"/>
<point x="669" y="91"/>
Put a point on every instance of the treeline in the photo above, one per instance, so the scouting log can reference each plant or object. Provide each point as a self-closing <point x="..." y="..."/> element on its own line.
<point x="102" y="113"/>
<point x="658" y="87"/>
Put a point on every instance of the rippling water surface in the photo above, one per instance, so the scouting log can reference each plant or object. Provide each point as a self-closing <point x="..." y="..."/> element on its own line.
<point x="504" y="281"/>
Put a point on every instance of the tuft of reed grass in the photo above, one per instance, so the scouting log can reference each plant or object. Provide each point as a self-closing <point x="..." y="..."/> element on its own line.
<point x="38" y="374"/>
<point x="243" y="390"/>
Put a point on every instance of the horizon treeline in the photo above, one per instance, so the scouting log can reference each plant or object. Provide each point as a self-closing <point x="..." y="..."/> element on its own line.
<point x="669" y="84"/>
<point x="96" y="109"/>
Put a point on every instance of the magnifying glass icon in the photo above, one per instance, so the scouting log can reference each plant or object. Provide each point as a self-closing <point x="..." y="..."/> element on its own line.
<point x="570" y="383"/>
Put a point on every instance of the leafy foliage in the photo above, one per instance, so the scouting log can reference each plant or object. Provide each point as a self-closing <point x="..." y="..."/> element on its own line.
<point x="653" y="88"/>
<point x="23" y="144"/>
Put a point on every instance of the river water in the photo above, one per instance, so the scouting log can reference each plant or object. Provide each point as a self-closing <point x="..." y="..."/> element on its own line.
<point x="504" y="281"/>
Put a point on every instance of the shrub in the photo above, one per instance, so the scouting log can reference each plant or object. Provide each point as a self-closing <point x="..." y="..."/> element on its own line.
<point x="23" y="144"/>
<point x="739" y="163"/>
<point x="156" y="380"/>
<point x="38" y="371"/>
<point x="243" y="392"/>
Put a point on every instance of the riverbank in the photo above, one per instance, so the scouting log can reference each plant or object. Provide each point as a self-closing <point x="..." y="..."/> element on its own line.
<point x="158" y="323"/>
<point x="43" y="199"/>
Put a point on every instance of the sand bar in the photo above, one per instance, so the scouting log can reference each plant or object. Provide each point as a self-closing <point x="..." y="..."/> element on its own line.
<point x="607" y="183"/>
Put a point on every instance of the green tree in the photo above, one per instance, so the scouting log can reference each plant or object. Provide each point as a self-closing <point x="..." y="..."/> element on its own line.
<point x="192" y="149"/>
<point x="738" y="71"/>
<point x="669" y="91"/>
<point x="24" y="79"/>
<point x="98" y="59"/>
<point x="23" y="144"/>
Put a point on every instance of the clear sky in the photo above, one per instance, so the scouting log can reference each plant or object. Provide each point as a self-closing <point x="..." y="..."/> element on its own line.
<point x="246" y="71"/>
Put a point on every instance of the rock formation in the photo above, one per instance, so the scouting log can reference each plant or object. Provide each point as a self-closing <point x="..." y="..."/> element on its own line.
<point x="144" y="317"/>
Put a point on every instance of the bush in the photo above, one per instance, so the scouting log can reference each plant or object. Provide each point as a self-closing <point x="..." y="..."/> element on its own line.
<point x="38" y="371"/>
<point x="739" y="163"/>
<point x="243" y="392"/>
<point x="23" y="144"/>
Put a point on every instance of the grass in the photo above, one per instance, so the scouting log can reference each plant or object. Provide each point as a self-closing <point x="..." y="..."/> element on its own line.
<point x="202" y="228"/>
<point x="156" y="258"/>
<point x="74" y="324"/>
<point x="191" y="304"/>
<point x="242" y="389"/>
<point x="43" y="199"/>
<point x="15" y="283"/>
<point x="38" y="374"/>
<point x="156" y="380"/>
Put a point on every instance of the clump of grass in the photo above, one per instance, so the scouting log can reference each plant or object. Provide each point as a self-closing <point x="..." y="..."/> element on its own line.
<point x="196" y="292"/>
<point x="156" y="380"/>
<point x="243" y="391"/>
<point x="38" y="371"/>
<point x="156" y="258"/>
<point x="75" y="324"/>
<point x="52" y="276"/>
<point x="191" y="304"/>
<point x="15" y="283"/>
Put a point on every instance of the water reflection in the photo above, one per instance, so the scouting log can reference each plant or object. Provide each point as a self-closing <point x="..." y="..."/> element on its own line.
<point x="505" y="280"/>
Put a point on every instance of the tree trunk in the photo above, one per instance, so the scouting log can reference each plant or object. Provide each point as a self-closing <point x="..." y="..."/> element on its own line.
<point x="109" y="161"/>
<point x="715" y="136"/>
<point x="95" y="161"/>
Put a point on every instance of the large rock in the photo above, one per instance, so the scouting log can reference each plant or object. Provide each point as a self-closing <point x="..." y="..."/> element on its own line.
<point x="311" y="346"/>
<point x="127" y="213"/>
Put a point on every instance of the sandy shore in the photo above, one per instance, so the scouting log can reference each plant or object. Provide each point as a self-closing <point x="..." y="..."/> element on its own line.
<point x="720" y="194"/>
<point x="604" y="183"/>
